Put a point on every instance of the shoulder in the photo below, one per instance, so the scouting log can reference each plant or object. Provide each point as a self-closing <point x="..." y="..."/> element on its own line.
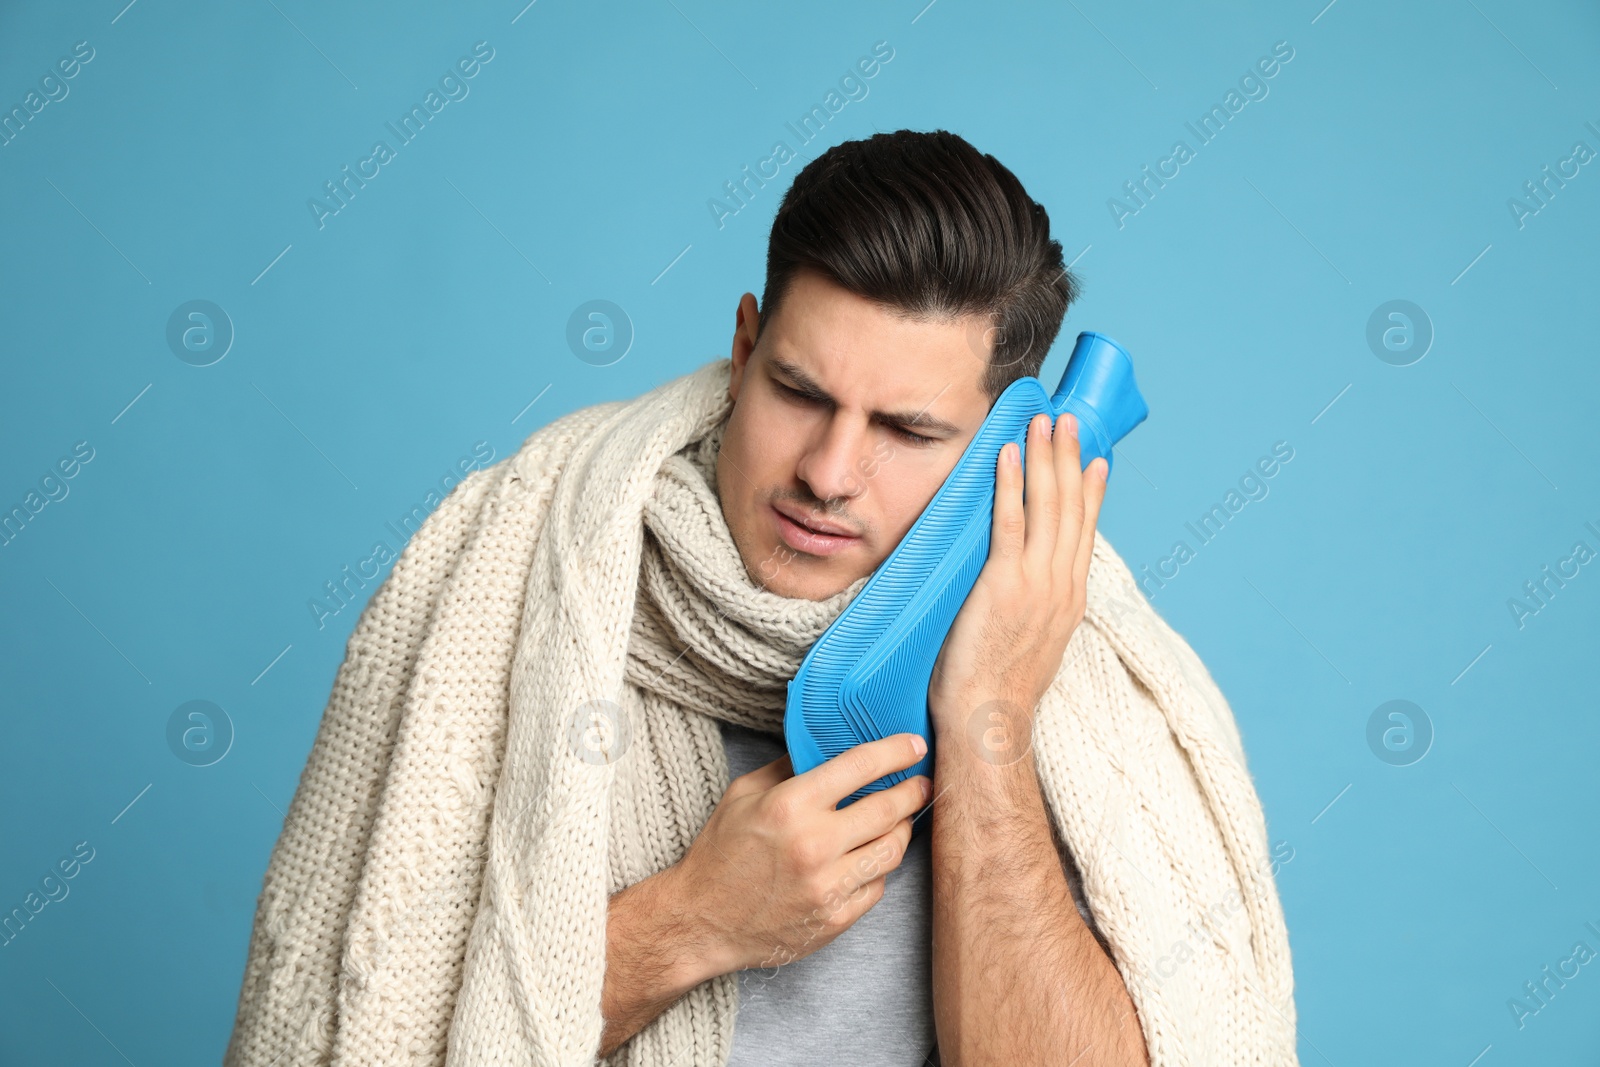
<point x="545" y="451"/>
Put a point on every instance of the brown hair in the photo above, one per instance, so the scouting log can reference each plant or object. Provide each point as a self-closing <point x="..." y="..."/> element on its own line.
<point x="929" y="227"/>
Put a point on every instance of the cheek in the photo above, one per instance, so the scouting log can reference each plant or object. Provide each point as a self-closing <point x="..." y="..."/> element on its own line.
<point x="772" y="436"/>
<point x="754" y="449"/>
<point x="747" y="469"/>
<point x="900" y="492"/>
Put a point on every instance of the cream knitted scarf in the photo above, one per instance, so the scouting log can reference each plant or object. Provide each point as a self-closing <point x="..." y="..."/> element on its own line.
<point x="526" y="722"/>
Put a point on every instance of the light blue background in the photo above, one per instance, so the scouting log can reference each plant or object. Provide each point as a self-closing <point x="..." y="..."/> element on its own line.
<point x="425" y="316"/>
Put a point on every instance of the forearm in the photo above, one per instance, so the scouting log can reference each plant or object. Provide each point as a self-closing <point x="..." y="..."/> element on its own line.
<point x="1018" y="976"/>
<point x="653" y="957"/>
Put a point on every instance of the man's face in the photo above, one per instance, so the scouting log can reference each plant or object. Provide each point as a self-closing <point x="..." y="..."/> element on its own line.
<point x="846" y="459"/>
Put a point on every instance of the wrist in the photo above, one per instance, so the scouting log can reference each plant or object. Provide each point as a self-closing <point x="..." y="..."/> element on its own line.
<point x="650" y="923"/>
<point x="988" y="723"/>
<point x="694" y="945"/>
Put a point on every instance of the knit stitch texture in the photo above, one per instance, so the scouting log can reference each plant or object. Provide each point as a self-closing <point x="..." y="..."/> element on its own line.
<point x="525" y="722"/>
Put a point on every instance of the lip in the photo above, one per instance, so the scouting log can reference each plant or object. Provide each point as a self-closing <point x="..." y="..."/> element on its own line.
<point x="802" y="539"/>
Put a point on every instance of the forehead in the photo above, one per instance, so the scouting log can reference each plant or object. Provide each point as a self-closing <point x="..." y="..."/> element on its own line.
<point x="861" y="351"/>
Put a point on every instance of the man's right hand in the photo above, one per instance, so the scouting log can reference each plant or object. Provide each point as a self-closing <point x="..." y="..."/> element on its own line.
<point x="777" y="872"/>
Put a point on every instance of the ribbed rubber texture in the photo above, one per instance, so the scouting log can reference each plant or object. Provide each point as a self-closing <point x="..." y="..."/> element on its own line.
<point x="867" y="675"/>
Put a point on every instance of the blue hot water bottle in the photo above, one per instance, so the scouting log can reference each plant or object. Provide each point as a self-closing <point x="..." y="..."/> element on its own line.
<point x="867" y="675"/>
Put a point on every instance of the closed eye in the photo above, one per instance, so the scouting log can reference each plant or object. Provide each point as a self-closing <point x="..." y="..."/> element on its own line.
<point x="916" y="439"/>
<point x="920" y="440"/>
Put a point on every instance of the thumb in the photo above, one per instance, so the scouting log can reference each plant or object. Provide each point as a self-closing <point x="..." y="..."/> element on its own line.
<point x="763" y="778"/>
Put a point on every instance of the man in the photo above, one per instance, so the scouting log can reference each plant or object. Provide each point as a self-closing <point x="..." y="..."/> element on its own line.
<point x="909" y="279"/>
<point x="832" y="385"/>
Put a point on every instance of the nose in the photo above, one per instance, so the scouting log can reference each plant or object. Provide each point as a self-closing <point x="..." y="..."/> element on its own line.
<point x="832" y="465"/>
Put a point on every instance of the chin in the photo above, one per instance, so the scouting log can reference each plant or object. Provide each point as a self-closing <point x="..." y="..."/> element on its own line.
<point x="785" y="586"/>
<point x="802" y="578"/>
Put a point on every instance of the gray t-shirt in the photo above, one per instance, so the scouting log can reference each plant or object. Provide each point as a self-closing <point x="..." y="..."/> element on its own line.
<point x="866" y="997"/>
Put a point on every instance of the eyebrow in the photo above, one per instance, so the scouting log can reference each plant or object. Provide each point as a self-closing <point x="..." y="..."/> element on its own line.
<point x="806" y="385"/>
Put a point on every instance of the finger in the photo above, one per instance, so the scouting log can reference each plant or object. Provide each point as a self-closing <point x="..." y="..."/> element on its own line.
<point x="1042" y="493"/>
<point x="856" y="899"/>
<point x="763" y="778"/>
<point x="875" y="859"/>
<point x="876" y="814"/>
<point x="1094" y="494"/>
<point x="1069" y="471"/>
<point x="1006" y="532"/>
<point x="833" y="780"/>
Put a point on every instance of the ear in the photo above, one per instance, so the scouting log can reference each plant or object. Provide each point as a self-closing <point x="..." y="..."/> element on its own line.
<point x="747" y="324"/>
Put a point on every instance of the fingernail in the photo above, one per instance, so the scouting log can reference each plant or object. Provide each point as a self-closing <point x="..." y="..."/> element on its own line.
<point x="927" y="788"/>
<point x="1072" y="423"/>
<point x="919" y="745"/>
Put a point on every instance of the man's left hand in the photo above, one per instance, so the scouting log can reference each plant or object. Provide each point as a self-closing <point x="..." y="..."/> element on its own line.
<point x="1008" y="639"/>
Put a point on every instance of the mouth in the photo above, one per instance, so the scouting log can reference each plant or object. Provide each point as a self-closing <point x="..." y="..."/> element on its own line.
<point x="812" y="536"/>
